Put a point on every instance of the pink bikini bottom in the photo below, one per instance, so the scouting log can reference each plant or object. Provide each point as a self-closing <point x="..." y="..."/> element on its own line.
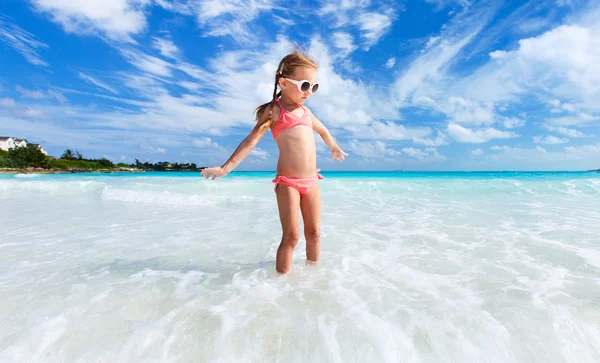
<point x="302" y="185"/>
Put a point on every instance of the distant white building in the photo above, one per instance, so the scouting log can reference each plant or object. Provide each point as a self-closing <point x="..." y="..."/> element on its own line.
<point x="20" y="142"/>
<point x="7" y="142"/>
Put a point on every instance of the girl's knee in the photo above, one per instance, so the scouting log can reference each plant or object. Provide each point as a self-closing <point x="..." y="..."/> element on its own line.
<point x="290" y="238"/>
<point x="312" y="234"/>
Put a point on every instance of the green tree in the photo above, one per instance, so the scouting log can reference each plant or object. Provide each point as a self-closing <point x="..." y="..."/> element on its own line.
<point x="68" y="155"/>
<point x="24" y="156"/>
<point x="105" y="163"/>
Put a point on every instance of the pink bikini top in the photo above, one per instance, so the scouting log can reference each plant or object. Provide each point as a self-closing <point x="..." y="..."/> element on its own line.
<point x="287" y="120"/>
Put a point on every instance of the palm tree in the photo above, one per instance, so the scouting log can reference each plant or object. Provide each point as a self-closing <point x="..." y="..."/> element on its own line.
<point x="68" y="155"/>
<point x="78" y="155"/>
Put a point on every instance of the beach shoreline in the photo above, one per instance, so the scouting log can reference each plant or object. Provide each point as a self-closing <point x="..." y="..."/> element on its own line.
<point x="67" y="171"/>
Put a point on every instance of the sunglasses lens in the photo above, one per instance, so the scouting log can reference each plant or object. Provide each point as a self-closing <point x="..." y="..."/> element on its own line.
<point x="315" y="88"/>
<point x="305" y="86"/>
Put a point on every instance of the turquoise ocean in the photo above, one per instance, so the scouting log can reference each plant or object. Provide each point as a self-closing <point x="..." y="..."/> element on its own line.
<point x="415" y="267"/>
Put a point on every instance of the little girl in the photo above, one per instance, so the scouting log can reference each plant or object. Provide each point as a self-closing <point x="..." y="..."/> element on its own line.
<point x="296" y="180"/>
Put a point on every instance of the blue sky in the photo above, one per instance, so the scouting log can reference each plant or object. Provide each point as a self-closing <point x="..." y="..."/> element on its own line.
<point x="405" y="85"/>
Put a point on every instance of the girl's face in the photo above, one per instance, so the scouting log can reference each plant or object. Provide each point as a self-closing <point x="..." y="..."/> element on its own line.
<point x="291" y="90"/>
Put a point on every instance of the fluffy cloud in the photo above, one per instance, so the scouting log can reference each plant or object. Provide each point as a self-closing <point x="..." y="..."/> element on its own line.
<point x="550" y="140"/>
<point x="206" y="142"/>
<point x="426" y="155"/>
<point x="390" y="63"/>
<point x="116" y="19"/>
<point x="166" y="47"/>
<point x="572" y="133"/>
<point x="230" y="17"/>
<point x="344" y="42"/>
<point x="373" y="26"/>
<point x="371" y="19"/>
<point x="477" y="152"/>
<point x="561" y="63"/>
<point x="465" y="135"/>
<point x="371" y="150"/>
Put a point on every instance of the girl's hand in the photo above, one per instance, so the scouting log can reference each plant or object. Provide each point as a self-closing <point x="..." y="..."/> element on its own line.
<point x="338" y="154"/>
<point x="213" y="172"/>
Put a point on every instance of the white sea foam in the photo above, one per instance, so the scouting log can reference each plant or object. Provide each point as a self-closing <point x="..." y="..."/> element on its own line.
<point x="161" y="269"/>
<point x="174" y="199"/>
<point x="27" y="175"/>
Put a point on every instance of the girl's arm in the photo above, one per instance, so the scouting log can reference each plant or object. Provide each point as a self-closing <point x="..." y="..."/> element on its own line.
<point x="243" y="149"/>
<point x="336" y="152"/>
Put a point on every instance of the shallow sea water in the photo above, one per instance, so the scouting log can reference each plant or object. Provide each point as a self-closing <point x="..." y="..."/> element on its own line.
<point x="415" y="267"/>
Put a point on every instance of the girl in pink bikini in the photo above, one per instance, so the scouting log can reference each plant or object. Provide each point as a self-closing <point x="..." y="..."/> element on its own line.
<point x="296" y="184"/>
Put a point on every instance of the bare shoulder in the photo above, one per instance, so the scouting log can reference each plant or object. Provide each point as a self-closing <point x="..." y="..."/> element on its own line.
<point x="275" y="112"/>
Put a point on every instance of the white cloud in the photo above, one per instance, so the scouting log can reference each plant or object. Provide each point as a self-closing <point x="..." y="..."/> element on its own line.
<point x="373" y="26"/>
<point x="390" y="63"/>
<point x="477" y="152"/>
<point x="466" y="111"/>
<point x="57" y="95"/>
<point x="230" y="17"/>
<point x="7" y="102"/>
<point x="534" y="25"/>
<point x="10" y="108"/>
<point x="371" y="150"/>
<point x="431" y="42"/>
<point x="440" y="4"/>
<point x="117" y="19"/>
<point x="96" y="82"/>
<point x="259" y="153"/>
<point x="206" y="142"/>
<point x="537" y="158"/>
<point x="344" y="42"/>
<point x="582" y="119"/>
<point x="425" y="78"/>
<point x="151" y="148"/>
<point x="561" y="63"/>
<point x="572" y="133"/>
<point x="182" y="7"/>
<point x="568" y="107"/>
<point x="22" y="41"/>
<point x="41" y="95"/>
<point x="465" y="135"/>
<point x="147" y="63"/>
<point x="504" y="148"/>
<point x="590" y="152"/>
<point x="389" y="131"/>
<point x="438" y="141"/>
<point x="512" y="122"/>
<point x="166" y="47"/>
<point x="192" y="86"/>
<point x="426" y="155"/>
<point x="550" y="140"/>
<point x="371" y="19"/>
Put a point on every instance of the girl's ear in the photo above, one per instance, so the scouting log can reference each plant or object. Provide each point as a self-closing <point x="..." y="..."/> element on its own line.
<point x="282" y="83"/>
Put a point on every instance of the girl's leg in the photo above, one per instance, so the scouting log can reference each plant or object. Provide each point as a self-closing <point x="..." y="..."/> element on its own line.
<point x="310" y="205"/>
<point x="288" y="200"/>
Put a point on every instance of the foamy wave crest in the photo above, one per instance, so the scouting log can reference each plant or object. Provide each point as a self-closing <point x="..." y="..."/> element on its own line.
<point x="170" y="198"/>
<point x="44" y="186"/>
<point x="27" y="175"/>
